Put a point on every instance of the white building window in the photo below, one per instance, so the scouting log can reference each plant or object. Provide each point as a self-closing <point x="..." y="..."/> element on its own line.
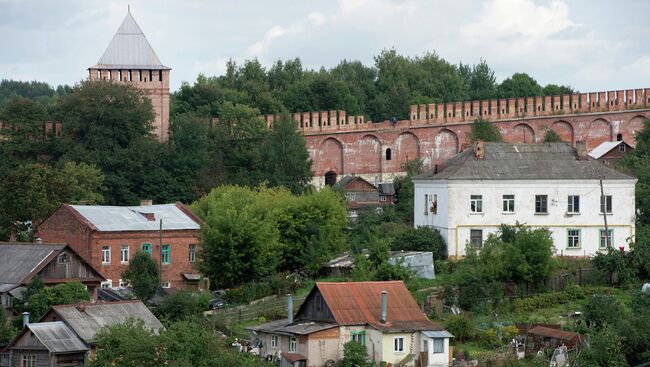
<point x="293" y="344"/>
<point x="573" y="238"/>
<point x="476" y="203"/>
<point x="398" y="344"/>
<point x="438" y="345"/>
<point x="123" y="283"/>
<point x="165" y="285"/>
<point x="604" y="241"/>
<point x="352" y="196"/>
<point x="573" y="204"/>
<point x="621" y="148"/>
<point x="382" y="197"/>
<point x="29" y="360"/>
<point x="124" y="253"/>
<point x="106" y="254"/>
<point x="426" y="204"/>
<point x="476" y="238"/>
<point x="606" y="204"/>
<point x="107" y="284"/>
<point x="541" y="204"/>
<point x="191" y="257"/>
<point x="274" y="341"/>
<point x="425" y="345"/>
<point x="508" y="203"/>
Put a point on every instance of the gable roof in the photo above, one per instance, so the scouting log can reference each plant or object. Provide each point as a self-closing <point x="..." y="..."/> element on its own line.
<point x="508" y="161"/>
<point x="19" y="260"/>
<point x="129" y="49"/>
<point x="106" y="218"/>
<point x="606" y="147"/>
<point x="347" y="180"/>
<point x="359" y="303"/>
<point x="57" y="337"/>
<point x="87" y="319"/>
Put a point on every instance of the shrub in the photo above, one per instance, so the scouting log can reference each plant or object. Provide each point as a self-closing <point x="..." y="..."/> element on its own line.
<point x="461" y="327"/>
<point x="183" y="305"/>
<point x="603" y="310"/>
<point x="355" y="355"/>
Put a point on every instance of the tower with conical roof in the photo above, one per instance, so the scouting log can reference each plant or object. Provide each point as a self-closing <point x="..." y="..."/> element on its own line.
<point x="129" y="58"/>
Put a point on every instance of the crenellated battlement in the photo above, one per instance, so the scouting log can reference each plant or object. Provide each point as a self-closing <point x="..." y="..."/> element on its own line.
<point x="511" y="108"/>
<point x="313" y="122"/>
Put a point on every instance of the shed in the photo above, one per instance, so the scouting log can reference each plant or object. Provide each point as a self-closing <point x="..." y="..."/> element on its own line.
<point x="542" y="337"/>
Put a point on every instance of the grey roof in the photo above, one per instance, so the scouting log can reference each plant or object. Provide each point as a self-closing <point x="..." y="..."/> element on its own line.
<point x="129" y="49"/>
<point x="89" y="318"/>
<point x="387" y="188"/>
<point x="507" y="161"/>
<point x="19" y="260"/>
<point x="57" y="337"/>
<point x="438" y="334"/>
<point x="296" y="328"/>
<point x="133" y="218"/>
<point x="605" y="147"/>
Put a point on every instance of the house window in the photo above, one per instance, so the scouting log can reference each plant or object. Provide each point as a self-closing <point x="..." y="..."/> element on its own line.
<point x="398" y="344"/>
<point x="621" y="148"/>
<point x="146" y="248"/>
<point x="274" y="341"/>
<point x="106" y="254"/>
<point x="606" y="204"/>
<point x="166" y="249"/>
<point x="318" y="302"/>
<point x="426" y="204"/>
<point x="192" y="254"/>
<point x="425" y="345"/>
<point x="434" y="204"/>
<point x="605" y="241"/>
<point x="438" y="345"/>
<point x="476" y="203"/>
<point x="541" y="204"/>
<point x="476" y="238"/>
<point x="5" y="359"/>
<point x="63" y="258"/>
<point x="359" y="337"/>
<point x="353" y="213"/>
<point x="165" y="285"/>
<point x="508" y="203"/>
<point x="352" y="196"/>
<point x="293" y="344"/>
<point x="382" y="197"/>
<point x="124" y="253"/>
<point x="573" y="238"/>
<point x="573" y="206"/>
<point x="389" y="154"/>
<point x="29" y="360"/>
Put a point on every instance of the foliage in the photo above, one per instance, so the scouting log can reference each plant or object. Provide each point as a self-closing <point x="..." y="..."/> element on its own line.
<point x="636" y="339"/>
<point x="252" y="233"/>
<point x="485" y="130"/>
<point x="142" y="275"/>
<point x="616" y="262"/>
<point x="128" y="344"/>
<point x="603" y="310"/>
<point x="519" y="85"/>
<point x="182" y="305"/>
<point x="37" y="299"/>
<point x="605" y="349"/>
<point x="275" y="284"/>
<point x="421" y="239"/>
<point x="40" y="92"/>
<point x="404" y="190"/>
<point x="551" y="137"/>
<point x="550" y="299"/>
<point x="460" y="327"/>
<point x="638" y="163"/>
<point x="24" y="140"/>
<point x="7" y="331"/>
<point x="355" y="355"/>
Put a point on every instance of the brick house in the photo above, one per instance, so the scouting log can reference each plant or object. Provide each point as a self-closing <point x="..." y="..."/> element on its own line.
<point x="362" y="195"/>
<point x="108" y="236"/>
<point x="611" y="151"/>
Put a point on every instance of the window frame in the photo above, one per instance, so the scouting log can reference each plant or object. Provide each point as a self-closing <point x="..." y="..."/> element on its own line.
<point x="425" y="345"/>
<point x="125" y="249"/>
<point x="274" y="341"/>
<point x="191" y="253"/>
<point x="476" y="204"/>
<point x="106" y="254"/>
<point x="63" y="258"/>
<point x="293" y="344"/>
<point x="539" y="200"/>
<point x="351" y="196"/>
<point x="426" y="204"/>
<point x="471" y="238"/>
<point x="573" y="204"/>
<point x="508" y="203"/>
<point x="359" y="337"/>
<point x="166" y="254"/>
<point x="146" y="248"/>
<point x="438" y="348"/>
<point x="569" y="237"/>
<point x="621" y="148"/>
<point x="604" y="204"/>
<point x="398" y="347"/>
<point x="28" y="360"/>
<point x="602" y="240"/>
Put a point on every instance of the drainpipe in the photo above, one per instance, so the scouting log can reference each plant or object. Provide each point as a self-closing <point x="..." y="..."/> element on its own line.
<point x="25" y="318"/>
<point x="384" y="305"/>
<point x="290" y="308"/>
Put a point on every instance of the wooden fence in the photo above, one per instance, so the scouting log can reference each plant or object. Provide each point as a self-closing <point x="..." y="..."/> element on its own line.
<point x="269" y="307"/>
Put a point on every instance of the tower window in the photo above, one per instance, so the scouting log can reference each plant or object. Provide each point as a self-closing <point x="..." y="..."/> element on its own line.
<point x="140" y="75"/>
<point x="389" y="154"/>
<point x="130" y="75"/>
<point x="160" y="80"/>
<point x="150" y="75"/>
<point x="619" y="137"/>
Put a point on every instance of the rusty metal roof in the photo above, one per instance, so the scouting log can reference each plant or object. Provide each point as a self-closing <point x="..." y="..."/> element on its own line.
<point x="293" y="357"/>
<point x="359" y="303"/>
<point x="553" y="333"/>
<point x="296" y="328"/>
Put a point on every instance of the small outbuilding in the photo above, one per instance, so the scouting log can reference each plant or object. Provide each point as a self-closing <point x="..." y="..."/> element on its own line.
<point x="542" y="337"/>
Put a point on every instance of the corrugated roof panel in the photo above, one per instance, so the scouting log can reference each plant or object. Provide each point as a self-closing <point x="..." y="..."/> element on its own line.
<point x="134" y="218"/>
<point x="18" y="260"/>
<point x="57" y="337"/>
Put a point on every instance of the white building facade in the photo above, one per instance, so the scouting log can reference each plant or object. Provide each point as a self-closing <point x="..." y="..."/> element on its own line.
<point x="538" y="185"/>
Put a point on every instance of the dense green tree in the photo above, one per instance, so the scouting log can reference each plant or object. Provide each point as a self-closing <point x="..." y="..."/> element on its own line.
<point x="605" y="350"/>
<point x="39" y="92"/>
<point x="355" y="354"/>
<point x="183" y="305"/>
<point x="7" y="331"/>
<point x="129" y="344"/>
<point x="287" y="160"/>
<point x="421" y="239"/>
<point x="638" y="163"/>
<point x="37" y="299"/>
<point x="603" y="310"/>
<point x="556" y="90"/>
<point x="519" y="85"/>
<point x="485" y="130"/>
<point x="142" y="274"/>
<point x="24" y="139"/>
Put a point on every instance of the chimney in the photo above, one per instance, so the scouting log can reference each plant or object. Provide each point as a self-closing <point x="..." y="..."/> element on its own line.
<point x="581" y="149"/>
<point x="146" y="202"/>
<point x="479" y="149"/>
<point x="25" y="318"/>
<point x="384" y="305"/>
<point x="290" y="308"/>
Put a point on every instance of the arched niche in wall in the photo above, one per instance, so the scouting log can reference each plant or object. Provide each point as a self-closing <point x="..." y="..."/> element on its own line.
<point x="599" y="131"/>
<point x="522" y="133"/>
<point x="368" y="155"/>
<point x="445" y="145"/>
<point x="331" y="156"/>
<point x="408" y="148"/>
<point x="564" y="130"/>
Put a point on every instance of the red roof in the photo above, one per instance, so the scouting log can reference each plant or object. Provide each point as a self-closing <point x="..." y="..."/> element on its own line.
<point x="293" y="357"/>
<point x="552" y="333"/>
<point x="359" y="303"/>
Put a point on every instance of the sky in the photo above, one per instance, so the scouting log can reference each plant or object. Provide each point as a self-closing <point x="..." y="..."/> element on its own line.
<point x="591" y="45"/>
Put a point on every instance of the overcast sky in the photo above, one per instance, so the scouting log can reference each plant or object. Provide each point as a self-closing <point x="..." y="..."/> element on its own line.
<point x="588" y="44"/>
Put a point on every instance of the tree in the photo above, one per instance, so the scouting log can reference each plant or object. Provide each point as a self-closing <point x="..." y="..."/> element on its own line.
<point x="287" y="160"/>
<point x="128" y="344"/>
<point x="183" y="305"/>
<point x="460" y="326"/>
<point x="551" y="137"/>
<point x="142" y="274"/>
<point x="404" y="189"/>
<point x="22" y="130"/>
<point x="421" y="239"/>
<point x="556" y="90"/>
<point x="355" y="354"/>
<point x="37" y="299"/>
<point x="485" y="130"/>
<point x="605" y="350"/>
<point x="7" y="331"/>
<point x="603" y="310"/>
<point x="519" y="85"/>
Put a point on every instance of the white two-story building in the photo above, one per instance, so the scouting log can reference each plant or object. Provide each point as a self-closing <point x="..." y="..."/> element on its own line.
<point x="549" y="185"/>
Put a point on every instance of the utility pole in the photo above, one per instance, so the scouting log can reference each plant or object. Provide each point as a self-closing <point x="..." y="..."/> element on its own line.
<point x="603" y="204"/>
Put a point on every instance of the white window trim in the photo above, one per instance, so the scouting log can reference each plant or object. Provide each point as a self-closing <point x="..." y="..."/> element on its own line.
<point x="600" y="238"/>
<point x="293" y="344"/>
<point x="274" y="341"/>
<point x="611" y="209"/>
<point x="128" y="253"/>
<point x="395" y="345"/>
<point x="106" y="250"/>
<point x="165" y="285"/>
<point x="107" y="284"/>
<point x="571" y="201"/>
<point x="433" y="346"/>
<point x="509" y="201"/>
<point x="545" y="202"/>
<point x="478" y="209"/>
<point x="579" y="239"/>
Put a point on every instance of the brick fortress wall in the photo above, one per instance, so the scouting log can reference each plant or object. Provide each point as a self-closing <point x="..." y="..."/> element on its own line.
<point x="346" y="145"/>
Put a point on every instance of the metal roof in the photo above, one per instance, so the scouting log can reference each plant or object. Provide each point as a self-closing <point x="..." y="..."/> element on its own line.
<point x="552" y="333"/>
<point x="129" y="49"/>
<point x="359" y="303"/>
<point x="605" y="147"/>
<point x="19" y="260"/>
<point x="134" y="218"/>
<point x="297" y="328"/>
<point x="86" y="319"/>
<point x="57" y="337"/>
<point x="293" y="357"/>
<point x="387" y="188"/>
<point x="438" y="334"/>
<point x="507" y="161"/>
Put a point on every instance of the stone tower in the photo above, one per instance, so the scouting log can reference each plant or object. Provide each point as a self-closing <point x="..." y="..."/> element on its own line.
<point x="129" y="58"/>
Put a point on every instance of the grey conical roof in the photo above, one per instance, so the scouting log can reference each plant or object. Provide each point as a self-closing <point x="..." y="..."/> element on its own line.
<point x="129" y="49"/>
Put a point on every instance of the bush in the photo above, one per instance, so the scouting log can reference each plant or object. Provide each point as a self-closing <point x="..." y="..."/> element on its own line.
<point x="551" y="299"/>
<point x="603" y="310"/>
<point x="183" y="305"/>
<point x="274" y="285"/>
<point x="421" y="239"/>
<point x="355" y="355"/>
<point x="461" y="327"/>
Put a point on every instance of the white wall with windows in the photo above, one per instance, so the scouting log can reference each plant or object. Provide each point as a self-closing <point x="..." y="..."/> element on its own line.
<point x="468" y="210"/>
